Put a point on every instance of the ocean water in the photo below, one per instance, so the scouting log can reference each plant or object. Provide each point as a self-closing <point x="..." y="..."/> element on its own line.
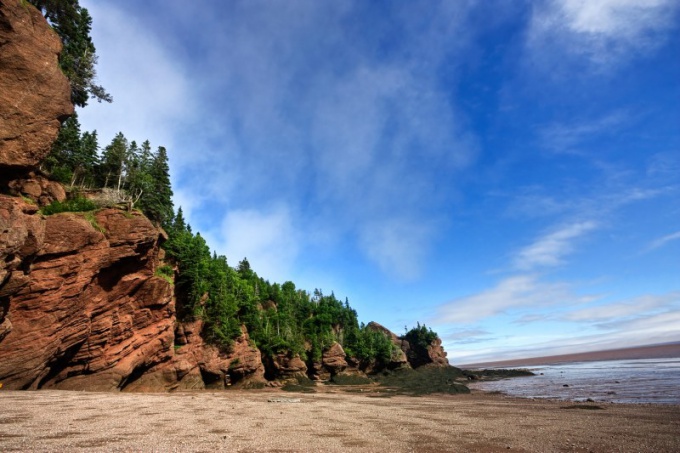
<point x="618" y="381"/>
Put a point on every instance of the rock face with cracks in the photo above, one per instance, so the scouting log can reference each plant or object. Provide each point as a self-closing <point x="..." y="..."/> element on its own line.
<point x="197" y="365"/>
<point x="81" y="307"/>
<point x="35" y="95"/>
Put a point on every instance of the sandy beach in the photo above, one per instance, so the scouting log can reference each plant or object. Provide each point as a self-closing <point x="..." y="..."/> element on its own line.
<point x="330" y="420"/>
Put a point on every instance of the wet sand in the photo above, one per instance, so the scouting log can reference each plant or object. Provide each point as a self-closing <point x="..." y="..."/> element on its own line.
<point x="332" y="420"/>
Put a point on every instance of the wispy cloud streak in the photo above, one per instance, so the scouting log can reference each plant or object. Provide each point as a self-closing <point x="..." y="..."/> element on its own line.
<point x="605" y="32"/>
<point x="551" y="249"/>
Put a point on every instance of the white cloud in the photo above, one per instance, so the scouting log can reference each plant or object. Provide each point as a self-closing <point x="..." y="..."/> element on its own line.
<point x="605" y="32"/>
<point x="551" y="249"/>
<point x="512" y="293"/>
<point x="570" y="137"/>
<point x="268" y="239"/>
<point x="618" y="311"/>
<point x="662" y="241"/>
<point x="357" y="143"/>
<point x="398" y="247"/>
<point x="467" y="336"/>
<point x="151" y="91"/>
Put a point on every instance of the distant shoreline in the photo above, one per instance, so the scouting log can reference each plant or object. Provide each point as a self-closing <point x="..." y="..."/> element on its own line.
<point x="659" y="351"/>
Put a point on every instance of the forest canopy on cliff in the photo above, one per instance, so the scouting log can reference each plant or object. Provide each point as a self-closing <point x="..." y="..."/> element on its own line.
<point x="280" y="318"/>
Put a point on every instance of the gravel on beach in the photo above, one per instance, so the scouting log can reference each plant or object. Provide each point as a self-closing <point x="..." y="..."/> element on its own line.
<point x="331" y="420"/>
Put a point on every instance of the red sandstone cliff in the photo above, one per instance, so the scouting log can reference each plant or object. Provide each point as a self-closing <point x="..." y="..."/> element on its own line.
<point x="34" y="94"/>
<point x="81" y="307"/>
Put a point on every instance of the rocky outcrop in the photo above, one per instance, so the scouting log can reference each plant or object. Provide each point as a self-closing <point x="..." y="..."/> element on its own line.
<point x="284" y="366"/>
<point x="432" y="355"/>
<point x="35" y="96"/>
<point x="81" y="307"/>
<point x="437" y="354"/>
<point x="333" y="362"/>
<point x="399" y="358"/>
<point x="414" y="356"/>
<point x="38" y="188"/>
<point x="197" y="365"/>
<point x="333" y="359"/>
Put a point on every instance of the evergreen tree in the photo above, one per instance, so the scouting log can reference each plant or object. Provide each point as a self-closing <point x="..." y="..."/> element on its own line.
<point x="138" y="180"/>
<point x="86" y="160"/>
<point x="78" y="56"/>
<point x="178" y="222"/>
<point x="157" y="204"/>
<point x="111" y="170"/>
<point x="61" y="162"/>
<point x="73" y="157"/>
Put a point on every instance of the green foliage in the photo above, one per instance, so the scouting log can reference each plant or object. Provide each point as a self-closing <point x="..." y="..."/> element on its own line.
<point x="74" y="205"/>
<point x="165" y="271"/>
<point x="89" y="216"/>
<point x="154" y="184"/>
<point x="369" y="345"/>
<point x="78" y="56"/>
<point x="73" y="158"/>
<point x="27" y="200"/>
<point x="420" y="336"/>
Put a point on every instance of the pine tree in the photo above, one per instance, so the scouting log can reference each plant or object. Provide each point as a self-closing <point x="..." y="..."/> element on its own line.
<point x="78" y="56"/>
<point x="158" y="204"/>
<point x="112" y="166"/>
<point x="61" y="162"/>
<point x="86" y="160"/>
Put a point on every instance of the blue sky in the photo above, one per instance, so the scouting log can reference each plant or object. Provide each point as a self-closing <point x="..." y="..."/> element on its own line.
<point x="507" y="173"/>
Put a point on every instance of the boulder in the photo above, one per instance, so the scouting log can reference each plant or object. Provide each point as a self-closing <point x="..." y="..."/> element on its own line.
<point x="35" y="96"/>
<point x="284" y="366"/>
<point x="333" y="359"/>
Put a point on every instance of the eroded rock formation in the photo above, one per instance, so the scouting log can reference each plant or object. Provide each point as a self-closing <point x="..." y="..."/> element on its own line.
<point x="432" y="355"/>
<point x="81" y="305"/>
<point x="284" y="366"/>
<point x="38" y="188"/>
<point x="197" y="365"/>
<point x="35" y="96"/>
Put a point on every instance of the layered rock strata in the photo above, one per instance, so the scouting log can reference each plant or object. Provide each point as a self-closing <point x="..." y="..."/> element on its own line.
<point x="35" y="95"/>
<point x="81" y="307"/>
<point x="197" y="365"/>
